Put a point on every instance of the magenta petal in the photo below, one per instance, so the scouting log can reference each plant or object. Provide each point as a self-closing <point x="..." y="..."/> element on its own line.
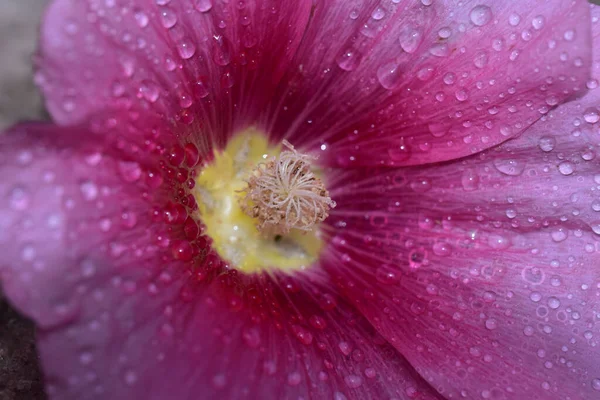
<point x="120" y="315"/>
<point x="405" y="83"/>
<point x="483" y="273"/>
<point x="189" y="57"/>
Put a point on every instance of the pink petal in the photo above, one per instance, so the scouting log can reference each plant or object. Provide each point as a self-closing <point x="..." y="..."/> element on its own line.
<point x="405" y="83"/>
<point x="482" y="272"/>
<point x="185" y="59"/>
<point x="121" y="315"/>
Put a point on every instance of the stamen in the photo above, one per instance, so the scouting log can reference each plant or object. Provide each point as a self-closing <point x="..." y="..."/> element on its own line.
<point x="283" y="194"/>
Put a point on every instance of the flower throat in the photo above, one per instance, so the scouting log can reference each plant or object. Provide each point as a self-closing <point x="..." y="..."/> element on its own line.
<point x="262" y="205"/>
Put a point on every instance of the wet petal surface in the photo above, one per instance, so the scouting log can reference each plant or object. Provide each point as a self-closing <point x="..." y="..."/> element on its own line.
<point x="131" y="303"/>
<point x="195" y="59"/>
<point x="413" y="82"/>
<point x="484" y="274"/>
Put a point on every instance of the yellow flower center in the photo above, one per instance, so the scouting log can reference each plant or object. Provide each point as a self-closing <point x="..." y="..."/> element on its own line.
<point x="226" y="193"/>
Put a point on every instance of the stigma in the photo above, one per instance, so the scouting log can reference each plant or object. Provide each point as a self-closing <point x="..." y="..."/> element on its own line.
<point x="284" y="194"/>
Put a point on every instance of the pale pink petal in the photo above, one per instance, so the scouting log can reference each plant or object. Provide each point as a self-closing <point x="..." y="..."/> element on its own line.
<point x="130" y="306"/>
<point x="204" y="59"/>
<point x="410" y="82"/>
<point x="483" y="272"/>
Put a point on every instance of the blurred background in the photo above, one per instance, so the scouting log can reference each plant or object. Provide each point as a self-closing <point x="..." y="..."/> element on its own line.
<point x="20" y="378"/>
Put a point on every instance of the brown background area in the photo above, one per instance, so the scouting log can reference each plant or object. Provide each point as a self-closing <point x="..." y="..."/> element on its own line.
<point x="20" y="378"/>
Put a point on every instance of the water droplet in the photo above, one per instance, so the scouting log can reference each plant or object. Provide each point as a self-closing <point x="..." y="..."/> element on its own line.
<point x="411" y="39"/>
<point x="591" y="115"/>
<point x="130" y="171"/>
<point x="149" y="91"/>
<point x="221" y="51"/>
<point x="251" y="337"/>
<point x="553" y="303"/>
<point x="491" y="324"/>
<point x="511" y="167"/>
<point x="219" y="381"/>
<point x="547" y="143"/>
<point x="130" y="377"/>
<point x="186" y="48"/>
<point x="389" y="75"/>
<point x="85" y="358"/>
<point x="596" y="384"/>
<point x="348" y="60"/>
<point x="569" y="35"/>
<point x="514" y="19"/>
<point x="559" y="234"/>
<point x="88" y="268"/>
<point x="294" y="379"/>
<point x="481" y="15"/>
<point x="141" y="18"/>
<point x="481" y="59"/>
<point x="538" y="22"/>
<point x="353" y="381"/>
<point x="566" y="168"/>
<point x="89" y="190"/>
<point x="168" y="18"/>
<point x="203" y="5"/>
<point x="19" y="198"/>
<point x="386" y="276"/>
<point x="470" y="180"/>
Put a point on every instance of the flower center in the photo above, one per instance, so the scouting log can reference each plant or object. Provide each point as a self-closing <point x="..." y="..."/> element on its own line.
<point x="262" y="206"/>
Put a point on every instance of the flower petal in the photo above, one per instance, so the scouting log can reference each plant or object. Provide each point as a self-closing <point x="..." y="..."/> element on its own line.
<point x="122" y="316"/>
<point x="182" y="58"/>
<point x="484" y="275"/>
<point x="406" y="83"/>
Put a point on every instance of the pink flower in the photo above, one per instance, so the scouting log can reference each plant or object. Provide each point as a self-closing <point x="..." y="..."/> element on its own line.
<point x="460" y="260"/>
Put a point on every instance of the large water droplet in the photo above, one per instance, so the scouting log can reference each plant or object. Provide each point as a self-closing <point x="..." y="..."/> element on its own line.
<point x="203" y="5"/>
<point x="511" y="167"/>
<point x="348" y="60"/>
<point x="411" y="39"/>
<point x="389" y="75"/>
<point x="547" y="143"/>
<point x="186" y="48"/>
<point x="168" y="18"/>
<point x="566" y="168"/>
<point x="481" y="15"/>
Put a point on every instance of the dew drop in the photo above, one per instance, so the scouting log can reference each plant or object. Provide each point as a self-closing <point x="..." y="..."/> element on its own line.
<point x="186" y="48"/>
<point x="411" y="39"/>
<point x="481" y="15"/>
<point x="514" y="19"/>
<point x="566" y="168"/>
<point x="553" y="303"/>
<point x="348" y="60"/>
<point x="389" y="75"/>
<point x="130" y="171"/>
<point x="511" y="167"/>
<point x="353" y="381"/>
<point x="538" y="22"/>
<point x="141" y="18"/>
<point x="168" y="18"/>
<point x="559" y="235"/>
<point x="203" y="5"/>
<point x="294" y="379"/>
<point x="547" y="143"/>
<point x="591" y="115"/>
<point x="89" y="190"/>
<point x="130" y="377"/>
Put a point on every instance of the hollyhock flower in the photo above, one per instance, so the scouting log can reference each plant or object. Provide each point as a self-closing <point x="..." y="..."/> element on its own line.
<point x="431" y="230"/>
